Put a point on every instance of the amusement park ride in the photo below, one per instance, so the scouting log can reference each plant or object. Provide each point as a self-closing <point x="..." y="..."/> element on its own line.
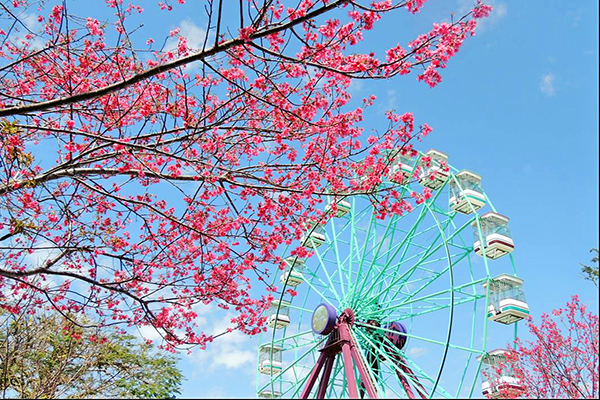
<point x="377" y="294"/>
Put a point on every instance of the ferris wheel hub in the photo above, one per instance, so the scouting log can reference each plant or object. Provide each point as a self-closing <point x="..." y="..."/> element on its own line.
<point x="348" y="316"/>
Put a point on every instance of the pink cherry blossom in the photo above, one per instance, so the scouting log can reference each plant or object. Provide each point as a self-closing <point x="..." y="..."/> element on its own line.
<point x="152" y="188"/>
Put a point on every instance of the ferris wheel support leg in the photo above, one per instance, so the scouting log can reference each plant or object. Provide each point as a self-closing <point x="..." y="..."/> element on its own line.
<point x="349" y="367"/>
<point x="352" y="356"/>
<point x="314" y="375"/>
<point x="405" y="385"/>
<point x="325" y="377"/>
<point x="420" y="389"/>
<point x="364" y="374"/>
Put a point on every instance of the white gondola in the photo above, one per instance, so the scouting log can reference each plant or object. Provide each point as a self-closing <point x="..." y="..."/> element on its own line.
<point x="313" y="238"/>
<point x="507" y="300"/>
<point x="433" y="175"/>
<point x="293" y="273"/>
<point x="270" y="359"/>
<point x="402" y="168"/>
<point x="267" y="394"/>
<point x="366" y="175"/>
<point x="495" y="383"/>
<point x="496" y="235"/>
<point x="343" y="207"/>
<point x="466" y="194"/>
<point x="278" y="314"/>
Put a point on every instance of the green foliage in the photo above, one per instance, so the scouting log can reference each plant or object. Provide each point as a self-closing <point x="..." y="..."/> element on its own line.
<point x="52" y="357"/>
<point x="591" y="272"/>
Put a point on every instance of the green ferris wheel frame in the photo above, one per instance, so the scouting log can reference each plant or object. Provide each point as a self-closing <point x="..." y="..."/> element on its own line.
<point x="387" y="271"/>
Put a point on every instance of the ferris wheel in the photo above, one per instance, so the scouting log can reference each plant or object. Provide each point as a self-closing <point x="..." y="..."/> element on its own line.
<point x="400" y="307"/>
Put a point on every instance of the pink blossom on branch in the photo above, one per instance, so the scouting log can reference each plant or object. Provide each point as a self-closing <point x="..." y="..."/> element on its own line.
<point x="481" y="10"/>
<point x="562" y="359"/>
<point x="148" y="189"/>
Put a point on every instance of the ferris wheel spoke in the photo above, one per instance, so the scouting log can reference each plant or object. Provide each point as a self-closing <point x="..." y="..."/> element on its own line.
<point x="387" y="377"/>
<point x="457" y="289"/>
<point x="386" y="280"/>
<point x="314" y="288"/>
<point x="383" y="380"/>
<point x="296" y="387"/>
<point x="360" y="262"/>
<point x="433" y="299"/>
<point x="296" y="340"/>
<point x="432" y="249"/>
<point x="424" y="379"/>
<point x="352" y="234"/>
<point x="463" y="247"/>
<point x="324" y="269"/>
<point x="360" y="283"/>
<point x="376" y="348"/>
<point x="354" y="250"/>
<point x="421" y="338"/>
<point x="338" y="259"/>
<point x="408" y="240"/>
<point x="396" y="359"/>
<point x="290" y="368"/>
<point x="429" y="253"/>
<point x="400" y="280"/>
<point x="389" y="307"/>
<point x="385" y="239"/>
<point x="434" y="307"/>
<point x="333" y="242"/>
<point x="386" y="286"/>
<point x="420" y="380"/>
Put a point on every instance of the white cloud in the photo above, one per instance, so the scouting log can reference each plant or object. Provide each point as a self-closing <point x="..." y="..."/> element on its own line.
<point x="195" y="36"/>
<point x="33" y="26"/>
<point x="233" y="358"/>
<point x="39" y="257"/>
<point x="202" y="310"/>
<point x="416" y="352"/>
<point x="193" y="33"/>
<point x="233" y="350"/>
<point x="215" y="392"/>
<point x="501" y="10"/>
<point x="391" y="102"/>
<point x="575" y="17"/>
<point x="356" y="85"/>
<point x="547" y="84"/>
<point x="149" y="332"/>
<point x="311" y="72"/>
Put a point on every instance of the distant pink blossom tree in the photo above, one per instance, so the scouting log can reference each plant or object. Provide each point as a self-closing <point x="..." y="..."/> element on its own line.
<point x="562" y="360"/>
<point x="134" y="188"/>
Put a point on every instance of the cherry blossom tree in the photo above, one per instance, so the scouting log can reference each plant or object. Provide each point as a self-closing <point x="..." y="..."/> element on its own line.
<point x="135" y="188"/>
<point x="561" y="361"/>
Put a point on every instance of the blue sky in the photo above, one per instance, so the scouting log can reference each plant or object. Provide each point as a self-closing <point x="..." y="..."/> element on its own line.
<point x="518" y="105"/>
